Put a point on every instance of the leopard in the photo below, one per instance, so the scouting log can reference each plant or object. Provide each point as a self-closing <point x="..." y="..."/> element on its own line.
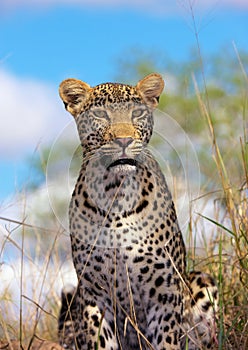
<point x="133" y="291"/>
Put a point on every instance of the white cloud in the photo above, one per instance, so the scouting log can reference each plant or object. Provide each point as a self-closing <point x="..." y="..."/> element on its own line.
<point x="157" y="6"/>
<point x="31" y="112"/>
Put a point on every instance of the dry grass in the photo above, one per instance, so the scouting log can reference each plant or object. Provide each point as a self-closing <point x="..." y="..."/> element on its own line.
<point x="227" y="250"/>
<point x="30" y="296"/>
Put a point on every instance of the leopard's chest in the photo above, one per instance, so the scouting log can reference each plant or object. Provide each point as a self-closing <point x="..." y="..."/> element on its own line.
<point x="112" y="208"/>
<point x="125" y="224"/>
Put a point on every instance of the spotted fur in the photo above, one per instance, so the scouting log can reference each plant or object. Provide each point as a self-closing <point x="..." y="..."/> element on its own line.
<point x="127" y="248"/>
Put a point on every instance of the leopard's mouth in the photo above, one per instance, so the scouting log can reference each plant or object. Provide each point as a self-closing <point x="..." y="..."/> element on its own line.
<point x="123" y="161"/>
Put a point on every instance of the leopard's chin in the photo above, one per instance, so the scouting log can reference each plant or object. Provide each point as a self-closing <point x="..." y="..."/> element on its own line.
<point x="123" y="163"/>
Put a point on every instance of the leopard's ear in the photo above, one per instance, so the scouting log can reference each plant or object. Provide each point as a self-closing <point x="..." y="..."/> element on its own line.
<point x="74" y="94"/>
<point x="150" y="88"/>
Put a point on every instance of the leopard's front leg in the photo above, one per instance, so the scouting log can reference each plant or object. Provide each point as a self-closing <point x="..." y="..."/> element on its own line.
<point x="163" y="320"/>
<point x="96" y="325"/>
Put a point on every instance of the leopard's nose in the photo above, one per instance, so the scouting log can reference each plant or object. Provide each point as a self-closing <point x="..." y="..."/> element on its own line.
<point x="123" y="142"/>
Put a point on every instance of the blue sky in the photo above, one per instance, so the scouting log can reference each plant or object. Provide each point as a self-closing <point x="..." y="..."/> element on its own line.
<point x="44" y="42"/>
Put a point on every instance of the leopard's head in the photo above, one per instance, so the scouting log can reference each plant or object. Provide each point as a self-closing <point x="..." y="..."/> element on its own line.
<point x="113" y="120"/>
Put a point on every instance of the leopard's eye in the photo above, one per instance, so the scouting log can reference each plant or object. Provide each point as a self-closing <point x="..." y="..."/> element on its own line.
<point x="99" y="113"/>
<point x="137" y="113"/>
